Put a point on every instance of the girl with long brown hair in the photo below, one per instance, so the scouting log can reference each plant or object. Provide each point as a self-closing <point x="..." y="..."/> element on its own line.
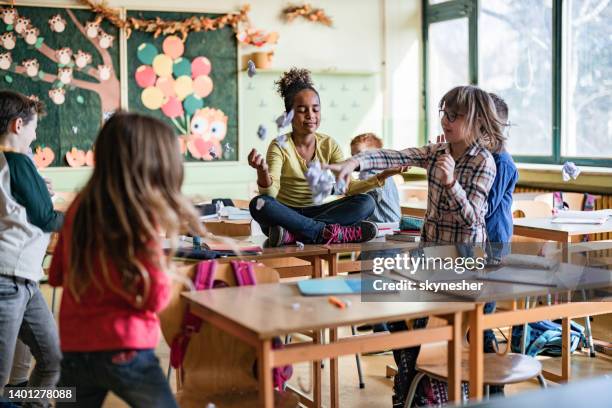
<point x="110" y="262"/>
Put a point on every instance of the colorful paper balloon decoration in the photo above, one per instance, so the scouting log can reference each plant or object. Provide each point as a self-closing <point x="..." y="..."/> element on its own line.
<point x="181" y="67"/>
<point x="146" y="53"/>
<point x="183" y="86"/>
<point x="192" y="103"/>
<point x="200" y="66"/>
<point x="152" y="97"/>
<point x="173" y="108"/>
<point x="203" y="86"/>
<point x="145" y="76"/>
<point x="166" y="84"/>
<point x="162" y="64"/>
<point x="173" y="47"/>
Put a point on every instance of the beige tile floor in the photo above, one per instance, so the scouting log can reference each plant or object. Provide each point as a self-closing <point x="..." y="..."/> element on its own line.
<point x="378" y="389"/>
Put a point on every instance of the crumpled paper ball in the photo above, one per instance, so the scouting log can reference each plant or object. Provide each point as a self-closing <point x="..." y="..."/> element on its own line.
<point x="321" y="182"/>
<point x="570" y="171"/>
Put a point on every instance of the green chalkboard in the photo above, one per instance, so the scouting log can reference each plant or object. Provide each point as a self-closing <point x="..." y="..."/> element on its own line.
<point x="172" y="80"/>
<point x="77" y="106"/>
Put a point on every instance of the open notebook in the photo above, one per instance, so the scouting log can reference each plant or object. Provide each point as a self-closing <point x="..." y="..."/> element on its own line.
<point x="325" y="287"/>
<point x="582" y="217"/>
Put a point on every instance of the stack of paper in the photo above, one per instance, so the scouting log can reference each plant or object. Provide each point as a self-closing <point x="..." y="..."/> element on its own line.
<point x="582" y="217"/>
<point x="386" y="228"/>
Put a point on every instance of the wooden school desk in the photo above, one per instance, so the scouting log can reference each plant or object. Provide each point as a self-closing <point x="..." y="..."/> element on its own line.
<point x="414" y="208"/>
<point x="544" y="228"/>
<point x="581" y="278"/>
<point x="378" y="244"/>
<point x="257" y="314"/>
<point x="312" y="254"/>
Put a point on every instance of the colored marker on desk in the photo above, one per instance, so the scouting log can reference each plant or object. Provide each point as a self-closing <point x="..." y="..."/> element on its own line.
<point x="336" y="302"/>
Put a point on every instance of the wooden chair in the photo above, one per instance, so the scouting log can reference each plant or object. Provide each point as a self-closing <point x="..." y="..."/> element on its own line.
<point x="574" y="200"/>
<point x="499" y="369"/>
<point x="529" y="208"/>
<point x="217" y="368"/>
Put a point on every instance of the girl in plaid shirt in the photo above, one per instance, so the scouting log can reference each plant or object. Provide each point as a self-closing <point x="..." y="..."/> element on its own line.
<point x="460" y="173"/>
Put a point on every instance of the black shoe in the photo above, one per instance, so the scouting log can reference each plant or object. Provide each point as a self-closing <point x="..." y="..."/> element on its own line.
<point x="279" y="236"/>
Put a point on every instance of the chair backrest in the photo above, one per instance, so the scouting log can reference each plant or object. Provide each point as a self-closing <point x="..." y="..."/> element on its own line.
<point x="412" y="194"/>
<point x="215" y="363"/>
<point x="574" y="200"/>
<point x="529" y="208"/>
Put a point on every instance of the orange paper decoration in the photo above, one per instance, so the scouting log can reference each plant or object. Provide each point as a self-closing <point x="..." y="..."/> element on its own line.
<point x="43" y="157"/>
<point x="75" y="158"/>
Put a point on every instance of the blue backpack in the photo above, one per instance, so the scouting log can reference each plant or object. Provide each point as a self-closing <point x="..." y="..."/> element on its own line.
<point x="544" y="337"/>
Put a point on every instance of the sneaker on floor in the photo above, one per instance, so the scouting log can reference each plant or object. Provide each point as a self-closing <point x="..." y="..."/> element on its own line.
<point x="338" y="234"/>
<point x="278" y="236"/>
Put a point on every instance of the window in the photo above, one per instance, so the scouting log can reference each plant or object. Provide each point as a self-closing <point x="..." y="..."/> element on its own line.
<point x="551" y="60"/>
<point x="447" y="65"/>
<point x="587" y="79"/>
<point x="514" y="61"/>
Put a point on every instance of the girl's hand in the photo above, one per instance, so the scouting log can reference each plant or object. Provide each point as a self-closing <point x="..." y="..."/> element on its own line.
<point x="343" y="170"/>
<point x="446" y="164"/>
<point x="257" y="161"/>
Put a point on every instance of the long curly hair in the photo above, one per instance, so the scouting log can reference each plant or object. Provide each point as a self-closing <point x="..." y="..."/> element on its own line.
<point x="293" y="82"/>
<point x="133" y="195"/>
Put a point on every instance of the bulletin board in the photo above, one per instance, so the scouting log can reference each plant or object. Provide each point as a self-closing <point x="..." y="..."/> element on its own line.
<point x="70" y="63"/>
<point x="193" y="86"/>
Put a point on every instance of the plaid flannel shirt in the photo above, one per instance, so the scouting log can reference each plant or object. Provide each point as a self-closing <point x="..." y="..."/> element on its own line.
<point x="455" y="214"/>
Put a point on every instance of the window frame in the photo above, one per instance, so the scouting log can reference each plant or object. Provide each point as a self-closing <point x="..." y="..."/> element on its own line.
<point x="455" y="9"/>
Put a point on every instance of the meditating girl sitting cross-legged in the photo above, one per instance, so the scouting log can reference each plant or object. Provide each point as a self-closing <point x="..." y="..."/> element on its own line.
<point x="285" y="207"/>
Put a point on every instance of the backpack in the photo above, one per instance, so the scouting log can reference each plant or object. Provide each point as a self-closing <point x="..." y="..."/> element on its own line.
<point x="204" y="279"/>
<point x="545" y="337"/>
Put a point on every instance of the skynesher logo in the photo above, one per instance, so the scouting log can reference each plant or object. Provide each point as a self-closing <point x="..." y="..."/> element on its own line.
<point x="405" y="262"/>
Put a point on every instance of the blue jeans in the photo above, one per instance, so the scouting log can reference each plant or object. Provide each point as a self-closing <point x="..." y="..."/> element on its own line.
<point x="139" y="381"/>
<point x="24" y="314"/>
<point x="307" y="223"/>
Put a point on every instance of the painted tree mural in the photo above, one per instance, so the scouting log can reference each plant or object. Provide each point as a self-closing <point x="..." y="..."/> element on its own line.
<point x="76" y="59"/>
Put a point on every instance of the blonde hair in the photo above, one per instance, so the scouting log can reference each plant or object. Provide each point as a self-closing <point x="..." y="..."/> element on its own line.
<point x="368" y="139"/>
<point x="132" y="197"/>
<point x="482" y="125"/>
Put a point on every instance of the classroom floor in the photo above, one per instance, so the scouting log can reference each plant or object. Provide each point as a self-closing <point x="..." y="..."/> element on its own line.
<point x="378" y="389"/>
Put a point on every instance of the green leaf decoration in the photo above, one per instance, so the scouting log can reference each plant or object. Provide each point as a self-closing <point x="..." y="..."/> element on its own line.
<point x="60" y="85"/>
<point x="9" y="27"/>
<point x="41" y="74"/>
<point x="80" y="99"/>
<point x="8" y="79"/>
<point x="39" y="42"/>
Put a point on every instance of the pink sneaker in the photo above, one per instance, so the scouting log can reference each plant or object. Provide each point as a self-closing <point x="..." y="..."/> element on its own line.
<point x="279" y="236"/>
<point x="337" y="234"/>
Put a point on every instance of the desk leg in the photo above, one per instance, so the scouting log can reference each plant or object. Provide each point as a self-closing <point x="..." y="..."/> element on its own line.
<point x="266" y="386"/>
<point x="454" y="361"/>
<point x="333" y="373"/>
<point x="316" y="267"/>
<point x="565" y="349"/>
<point x="333" y="265"/>
<point x="316" y="373"/>
<point x="476" y="352"/>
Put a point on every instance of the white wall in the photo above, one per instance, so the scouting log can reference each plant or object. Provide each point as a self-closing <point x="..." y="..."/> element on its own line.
<point x="368" y="35"/>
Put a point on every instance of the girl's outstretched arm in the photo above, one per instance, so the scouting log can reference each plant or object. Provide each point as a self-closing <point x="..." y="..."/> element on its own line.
<point x="384" y="159"/>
